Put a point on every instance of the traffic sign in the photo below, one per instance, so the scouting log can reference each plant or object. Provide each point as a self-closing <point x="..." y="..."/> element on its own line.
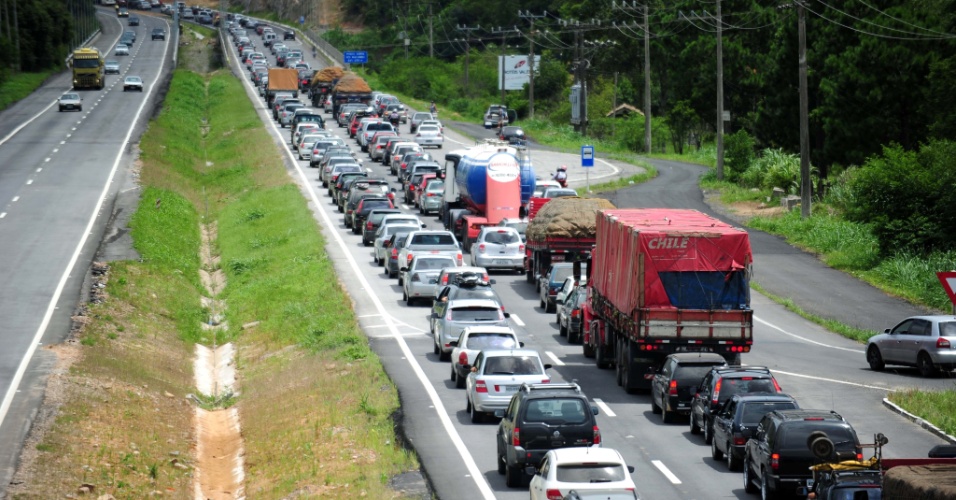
<point x="587" y="156"/>
<point x="948" y="279"/>
<point x="356" y="56"/>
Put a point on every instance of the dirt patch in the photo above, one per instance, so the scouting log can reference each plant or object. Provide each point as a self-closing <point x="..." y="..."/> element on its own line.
<point x="742" y="211"/>
<point x="198" y="53"/>
<point x="218" y="455"/>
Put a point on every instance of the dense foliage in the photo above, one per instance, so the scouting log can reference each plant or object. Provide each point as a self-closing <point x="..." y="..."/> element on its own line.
<point x="45" y="31"/>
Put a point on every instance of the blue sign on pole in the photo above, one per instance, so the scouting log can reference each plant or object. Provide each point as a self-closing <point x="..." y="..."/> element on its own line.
<point x="356" y="56"/>
<point x="301" y="19"/>
<point x="587" y="156"/>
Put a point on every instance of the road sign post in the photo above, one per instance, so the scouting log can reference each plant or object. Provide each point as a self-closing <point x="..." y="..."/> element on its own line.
<point x="948" y="280"/>
<point x="587" y="162"/>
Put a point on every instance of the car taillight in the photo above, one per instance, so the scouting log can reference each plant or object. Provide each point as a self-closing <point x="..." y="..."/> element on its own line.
<point x="942" y="343"/>
<point x="429" y="195"/>
<point x="575" y="313"/>
<point x="368" y="225"/>
<point x="394" y="253"/>
<point x="521" y="248"/>
<point x="859" y="456"/>
<point x="714" y="401"/>
<point x="597" y="435"/>
<point x="480" y="386"/>
<point x="740" y="440"/>
<point x="462" y="358"/>
<point x="481" y="248"/>
<point x="775" y="461"/>
<point x="459" y="259"/>
<point x="553" y="494"/>
<point x="776" y="385"/>
<point x="409" y="258"/>
<point x="672" y="389"/>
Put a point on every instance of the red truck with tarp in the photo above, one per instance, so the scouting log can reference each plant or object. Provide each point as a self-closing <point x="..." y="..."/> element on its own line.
<point x="665" y="281"/>
<point x="560" y="230"/>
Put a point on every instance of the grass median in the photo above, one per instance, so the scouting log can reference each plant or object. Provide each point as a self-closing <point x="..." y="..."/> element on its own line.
<point x="315" y="404"/>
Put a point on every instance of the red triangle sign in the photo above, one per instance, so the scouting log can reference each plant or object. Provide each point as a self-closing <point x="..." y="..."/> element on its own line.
<point x="948" y="279"/>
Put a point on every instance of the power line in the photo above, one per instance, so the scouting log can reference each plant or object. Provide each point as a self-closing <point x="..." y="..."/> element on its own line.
<point x="917" y="36"/>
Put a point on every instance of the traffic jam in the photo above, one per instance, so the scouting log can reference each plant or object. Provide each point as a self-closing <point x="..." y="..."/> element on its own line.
<point x="659" y="297"/>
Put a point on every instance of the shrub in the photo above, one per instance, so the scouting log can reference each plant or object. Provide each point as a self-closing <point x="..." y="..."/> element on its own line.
<point x="738" y="154"/>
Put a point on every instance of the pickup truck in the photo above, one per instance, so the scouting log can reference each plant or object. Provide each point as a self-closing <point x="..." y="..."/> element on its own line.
<point x="429" y="242"/>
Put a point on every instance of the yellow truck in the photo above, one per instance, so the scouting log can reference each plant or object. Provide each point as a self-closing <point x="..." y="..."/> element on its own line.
<point x="88" y="69"/>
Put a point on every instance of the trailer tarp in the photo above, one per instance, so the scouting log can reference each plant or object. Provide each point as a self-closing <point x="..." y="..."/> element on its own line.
<point x="327" y="75"/>
<point x="567" y="217"/>
<point x="283" y="79"/>
<point x="351" y="83"/>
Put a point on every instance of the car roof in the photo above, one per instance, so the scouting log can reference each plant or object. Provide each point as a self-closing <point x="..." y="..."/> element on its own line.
<point x="474" y="303"/>
<point x="763" y="397"/>
<point x="511" y="352"/>
<point x="468" y="330"/>
<point x="700" y="357"/>
<point x="587" y="454"/>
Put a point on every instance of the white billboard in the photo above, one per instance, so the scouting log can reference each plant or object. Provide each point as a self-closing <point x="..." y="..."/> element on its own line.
<point x="517" y="71"/>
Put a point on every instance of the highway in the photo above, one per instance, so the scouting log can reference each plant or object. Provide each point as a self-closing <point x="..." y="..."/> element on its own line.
<point x="820" y="369"/>
<point x="59" y="172"/>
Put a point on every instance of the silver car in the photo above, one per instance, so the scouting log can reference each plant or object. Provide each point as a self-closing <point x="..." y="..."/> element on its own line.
<point x="121" y="50"/>
<point x="420" y="279"/>
<point x="70" y="100"/>
<point x="498" y="248"/>
<point x="431" y="198"/>
<point x="429" y="135"/>
<point x="497" y="375"/>
<point x="383" y="234"/>
<point x="112" y="67"/>
<point x="473" y="340"/>
<point x="926" y="342"/>
<point x="449" y="318"/>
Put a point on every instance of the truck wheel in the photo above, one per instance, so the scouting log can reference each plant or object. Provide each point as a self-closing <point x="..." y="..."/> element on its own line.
<point x="587" y="350"/>
<point x="600" y="357"/>
<point x="529" y="275"/>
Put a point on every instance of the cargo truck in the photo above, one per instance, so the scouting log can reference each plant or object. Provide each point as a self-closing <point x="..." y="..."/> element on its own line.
<point x="282" y="80"/>
<point x="483" y="185"/>
<point x="665" y="281"/>
<point x="322" y="83"/>
<point x="350" y="88"/>
<point x="89" y="69"/>
<point x="560" y="230"/>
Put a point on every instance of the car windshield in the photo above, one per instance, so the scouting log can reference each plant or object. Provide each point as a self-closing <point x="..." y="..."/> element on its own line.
<point x="470" y="313"/>
<point x="397" y="228"/>
<point x="590" y="473"/>
<point x="70" y="97"/>
<point x="434" y="263"/>
<point x="479" y="341"/>
<point x="557" y="411"/>
<point x="512" y="365"/>
<point x="754" y="411"/>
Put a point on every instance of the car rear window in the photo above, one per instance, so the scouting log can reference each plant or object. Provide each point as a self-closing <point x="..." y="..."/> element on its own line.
<point x="562" y="273"/>
<point x="558" y="411"/>
<point x="947" y="329"/>
<point x="732" y="386"/>
<point x="478" y="341"/>
<point x="590" y="473"/>
<point x="754" y="411"/>
<point x="433" y="239"/>
<point x="378" y="126"/>
<point x="502" y="237"/>
<point x="475" y="314"/>
<point x="377" y="217"/>
<point x="795" y="436"/>
<point x="512" y="365"/>
<point x="433" y="264"/>
<point x="690" y="373"/>
<point x="370" y="204"/>
<point x="478" y="292"/>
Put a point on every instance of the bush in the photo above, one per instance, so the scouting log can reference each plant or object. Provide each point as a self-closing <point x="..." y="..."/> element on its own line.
<point x="738" y="154"/>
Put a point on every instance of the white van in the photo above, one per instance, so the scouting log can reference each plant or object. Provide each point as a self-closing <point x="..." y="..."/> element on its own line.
<point x="268" y="38"/>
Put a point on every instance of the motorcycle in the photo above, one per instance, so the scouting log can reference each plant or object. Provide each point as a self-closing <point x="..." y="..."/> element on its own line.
<point x="395" y="119"/>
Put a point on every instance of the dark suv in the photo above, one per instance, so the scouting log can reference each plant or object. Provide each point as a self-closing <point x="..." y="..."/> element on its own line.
<point x="542" y="417"/>
<point x="681" y="373"/>
<point x="719" y="385"/>
<point x="778" y="457"/>
<point x="736" y="420"/>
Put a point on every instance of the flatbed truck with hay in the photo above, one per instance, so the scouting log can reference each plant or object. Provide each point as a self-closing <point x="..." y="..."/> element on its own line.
<point x="322" y="83"/>
<point x="350" y="88"/>
<point x="282" y="80"/>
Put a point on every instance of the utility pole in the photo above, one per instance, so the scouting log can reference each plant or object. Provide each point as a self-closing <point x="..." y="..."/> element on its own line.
<point x="647" y="67"/>
<point x="528" y="15"/>
<point x="467" y="31"/>
<point x="503" y="34"/>
<point x="614" y="108"/>
<point x="720" y="96"/>
<point x="805" y="185"/>
<point x="581" y="65"/>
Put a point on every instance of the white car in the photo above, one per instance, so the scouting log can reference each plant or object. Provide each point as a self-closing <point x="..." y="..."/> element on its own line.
<point x="112" y="67"/>
<point x="429" y="135"/>
<point x="497" y="374"/>
<point x="122" y="50"/>
<point x="541" y="185"/>
<point x="498" y="248"/>
<point x="383" y="234"/>
<point x="584" y="470"/>
<point x="133" y="83"/>
<point x="473" y="340"/>
<point x="70" y="100"/>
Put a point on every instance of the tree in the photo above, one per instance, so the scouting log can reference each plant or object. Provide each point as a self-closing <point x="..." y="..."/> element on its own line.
<point x="680" y="119"/>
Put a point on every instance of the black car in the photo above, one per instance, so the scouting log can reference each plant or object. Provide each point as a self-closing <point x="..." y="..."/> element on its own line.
<point x="159" y="34"/>
<point x="364" y="207"/>
<point x="513" y="135"/>
<point x="288" y="35"/>
<point x="866" y="484"/>
<point x="736" y="420"/>
<point x="394" y="245"/>
<point x="374" y="220"/>
<point x="777" y="458"/>
<point x="542" y="417"/>
<point x="680" y="374"/>
<point x="570" y="315"/>
<point x="133" y="21"/>
<point x="340" y="190"/>
<point x="719" y="385"/>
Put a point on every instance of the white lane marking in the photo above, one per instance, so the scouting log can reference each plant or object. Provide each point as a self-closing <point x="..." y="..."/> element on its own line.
<point x="46" y="160"/>
<point x="56" y="150"/>
<point x="63" y="142"/>
<point x="554" y="358"/>
<point x="24" y="124"/>
<point x="51" y="307"/>
<point x="667" y="472"/>
<point x="440" y="410"/>
<point x="369" y="316"/>
<point x="835" y="381"/>
<point x="3" y="214"/>
<point x="40" y="169"/>
<point x="15" y="198"/>
<point x="406" y="207"/>
<point x="821" y="344"/>
<point x="604" y="407"/>
<point x="516" y="319"/>
<point x="29" y="181"/>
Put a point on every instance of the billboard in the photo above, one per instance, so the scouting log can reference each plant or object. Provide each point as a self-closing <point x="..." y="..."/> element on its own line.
<point x="517" y="71"/>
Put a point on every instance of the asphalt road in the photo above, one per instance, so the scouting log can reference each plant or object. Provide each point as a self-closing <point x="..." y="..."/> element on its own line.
<point x="820" y="369"/>
<point x="59" y="175"/>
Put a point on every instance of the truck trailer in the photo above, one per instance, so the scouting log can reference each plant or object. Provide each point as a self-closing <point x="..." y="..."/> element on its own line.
<point x="665" y="281"/>
<point x="560" y="230"/>
<point x="89" y="69"/>
<point x="483" y="185"/>
<point x="350" y="88"/>
<point x="322" y="83"/>
<point x="282" y="80"/>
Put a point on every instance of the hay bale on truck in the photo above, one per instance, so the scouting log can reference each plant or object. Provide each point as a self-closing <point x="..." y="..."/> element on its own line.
<point x="925" y="482"/>
<point x="322" y="83"/>
<point x="350" y="88"/>
<point x="560" y="229"/>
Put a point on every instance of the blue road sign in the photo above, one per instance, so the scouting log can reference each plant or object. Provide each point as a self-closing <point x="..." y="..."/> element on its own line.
<point x="356" y="56"/>
<point x="587" y="156"/>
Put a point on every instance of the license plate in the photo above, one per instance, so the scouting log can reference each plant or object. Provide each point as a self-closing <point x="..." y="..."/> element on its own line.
<point x="501" y="262"/>
<point x="509" y="388"/>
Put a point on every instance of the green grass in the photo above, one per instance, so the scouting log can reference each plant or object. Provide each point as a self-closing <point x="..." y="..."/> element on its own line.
<point x="938" y="407"/>
<point x="650" y="173"/>
<point x="20" y="85"/>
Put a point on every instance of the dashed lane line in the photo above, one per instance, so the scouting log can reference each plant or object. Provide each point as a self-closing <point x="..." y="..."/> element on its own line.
<point x="667" y="472"/>
<point x="604" y="407"/>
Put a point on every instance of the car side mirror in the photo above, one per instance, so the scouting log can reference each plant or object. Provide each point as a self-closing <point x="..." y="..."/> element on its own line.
<point x="499" y="414"/>
<point x="548" y="366"/>
<point x="453" y="343"/>
<point x="594" y="411"/>
<point x="492" y="281"/>
<point x="630" y="468"/>
<point x="423" y="224"/>
<point x="404" y="269"/>
<point x="531" y="470"/>
<point x="507" y="315"/>
<point x="520" y="344"/>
